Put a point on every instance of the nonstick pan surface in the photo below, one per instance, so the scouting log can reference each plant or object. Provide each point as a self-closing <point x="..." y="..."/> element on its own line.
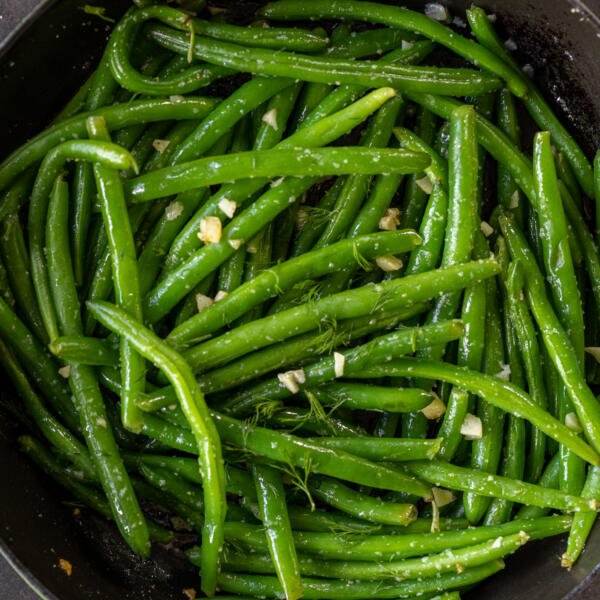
<point x="46" y="51"/>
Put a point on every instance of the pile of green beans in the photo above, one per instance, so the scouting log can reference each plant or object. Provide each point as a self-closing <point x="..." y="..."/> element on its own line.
<point x="284" y="317"/>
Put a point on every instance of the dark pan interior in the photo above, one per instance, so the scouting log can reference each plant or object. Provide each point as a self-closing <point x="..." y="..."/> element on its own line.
<point x="560" y="39"/>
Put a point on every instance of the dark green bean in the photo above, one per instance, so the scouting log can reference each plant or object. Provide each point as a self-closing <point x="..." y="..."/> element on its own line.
<point x="278" y="529"/>
<point x="536" y="105"/>
<point x="125" y="274"/>
<point x="84" y="350"/>
<point x="318" y="69"/>
<point x="83" y="382"/>
<point x="555" y="338"/>
<point x="16" y="259"/>
<point x="269" y="587"/>
<point x="403" y="19"/>
<point x="117" y="116"/>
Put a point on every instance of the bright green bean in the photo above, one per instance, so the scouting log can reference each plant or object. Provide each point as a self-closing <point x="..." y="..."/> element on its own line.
<point x="502" y="394"/>
<point x="196" y="412"/>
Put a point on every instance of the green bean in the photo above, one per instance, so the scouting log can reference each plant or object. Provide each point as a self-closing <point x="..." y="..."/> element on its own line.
<point x="466" y="558"/>
<point x="354" y="503"/>
<point x="245" y="99"/>
<point x="268" y="587"/>
<point x="298" y="453"/>
<point x="323" y="132"/>
<point x="192" y="403"/>
<point x="299" y="349"/>
<point x="85" y="494"/>
<point x="381" y="349"/>
<point x="119" y="48"/>
<point x="495" y="142"/>
<point x="393" y="294"/>
<point x="269" y="163"/>
<point x="361" y="547"/>
<point x="359" y="396"/>
<point x="285" y="275"/>
<point x="560" y="273"/>
<point x="582" y="525"/>
<point x="470" y="354"/>
<point x="590" y="252"/>
<point x="555" y="339"/>
<point x="415" y="198"/>
<point x="355" y="188"/>
<point x="487" y="451"/>
<point x="318" y="69"/>
<point x="101" y="286"/>
<point x="513" y="462"/>
<point x="462" y="210"/>
<point x="566" y="175"/>
<point x="173" y="485"/>
<point x="16" y="258"/>
<point x="502" y="394"/>
<point x="359" y="44"/>
<point x="52" y="429"/>
<point x="345" y="94"/>
<point x="278" y="529"/>
<point x="497" y="486"/>
<point x="106" y="152"/>
<point x="117" y="116"/>
<point x="537" y="107"/>
<point x="548" y="479"/>
<point x="17" y="193"/>
<point x="258" y="260"/>
<point x="400" y="18"/>
<point x="125" y="274"/>
<point x="383" y="449"/>
<point x="38" y="364"/>
<point x="526" y="337"/>
<point x="163" y="233"/>
<point x="83" y="382"/>
<point x="84" y="350"/>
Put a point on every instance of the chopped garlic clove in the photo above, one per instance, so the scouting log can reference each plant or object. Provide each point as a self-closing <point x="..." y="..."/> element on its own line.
<point x="425" y="184"/>
<point x="472" y="427"/>
<point x="228" y="207"/>
<point x="572" y="422"/>
<point x="339" y="360"/>
<point x="442" y="497"/>
<point x="210" y="230"/>
<point x="173" y="210"/>
<point x="436" y="11"/>
<point x="220" y="295"/>
<point x="160" y="145"/>
<point x="270" y="118"/>
<point x="388" y="263"/>
<point x="65" y="371"/>
<point x="594" y="351"/>
<point x="505" y="373"/>
<point x="435" y="409"/>
<point x="486" y="228"/>
<point x="235" y="243"/>
<point x="390" y="220"/>
<point x="203" y="301"/>
<point x="292" y="379"/>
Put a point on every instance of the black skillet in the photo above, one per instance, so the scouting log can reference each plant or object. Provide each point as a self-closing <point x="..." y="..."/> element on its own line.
<point x="46" y="50"/>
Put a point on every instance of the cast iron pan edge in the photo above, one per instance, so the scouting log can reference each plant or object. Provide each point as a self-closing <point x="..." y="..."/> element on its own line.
<point x="573" y="24"/>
